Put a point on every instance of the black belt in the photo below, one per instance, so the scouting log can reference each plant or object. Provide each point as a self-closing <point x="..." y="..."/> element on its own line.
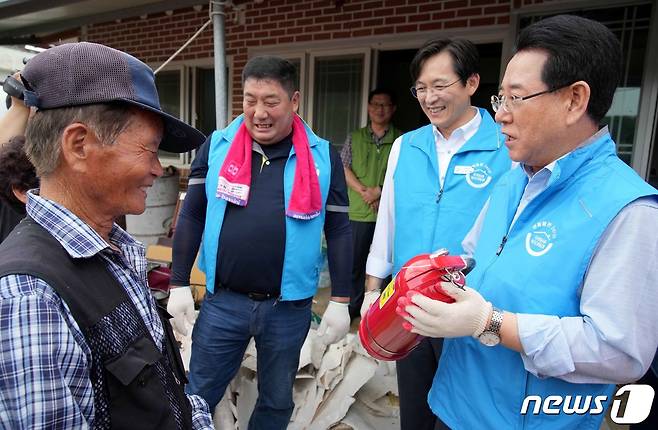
<point x="257" y="297"/>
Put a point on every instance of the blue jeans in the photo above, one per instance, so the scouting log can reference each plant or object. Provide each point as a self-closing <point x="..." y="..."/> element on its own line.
<point x="226" y="323"/>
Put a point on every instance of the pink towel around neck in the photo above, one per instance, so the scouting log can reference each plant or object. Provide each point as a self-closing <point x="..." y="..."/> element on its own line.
<point x="235" y="174"/>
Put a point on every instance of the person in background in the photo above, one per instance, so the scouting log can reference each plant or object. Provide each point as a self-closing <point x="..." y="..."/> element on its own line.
<point x="260" y="194"/>
<point x="17" y="176"/>
<point x="438" y="178"/>
<point x="364" y="156"/>
<point x="562" y="303"/>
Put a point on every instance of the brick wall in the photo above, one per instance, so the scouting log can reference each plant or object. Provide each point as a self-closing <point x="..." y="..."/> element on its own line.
<point x="154" y="38"/>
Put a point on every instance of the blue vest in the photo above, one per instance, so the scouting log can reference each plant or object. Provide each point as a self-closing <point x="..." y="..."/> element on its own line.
<point x="302" y="260"/>
<point x="539" y="271"/>
<point x="428" y="217"/>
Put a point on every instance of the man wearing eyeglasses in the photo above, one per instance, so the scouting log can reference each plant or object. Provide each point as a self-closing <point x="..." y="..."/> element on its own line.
<point x="365" y="154"/>
<point x="562" y="303"/>
<point x="437" y="180"/>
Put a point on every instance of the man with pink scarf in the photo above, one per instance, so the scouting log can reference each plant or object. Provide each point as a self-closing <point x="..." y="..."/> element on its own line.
<point x="260" y="194"/>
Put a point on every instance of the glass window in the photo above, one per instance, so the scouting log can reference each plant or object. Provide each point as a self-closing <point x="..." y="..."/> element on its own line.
<point x="205" y="100"/>
<point x="168" y="85"/>
<point x="337" y="96"/>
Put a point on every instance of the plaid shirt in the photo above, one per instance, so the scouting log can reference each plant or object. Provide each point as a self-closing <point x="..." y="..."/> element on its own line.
<point x="346" y="151"/>
<point x="44" y="373"/>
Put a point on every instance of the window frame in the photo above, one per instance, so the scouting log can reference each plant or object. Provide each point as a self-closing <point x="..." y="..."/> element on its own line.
<point x="180" y="159"/>
<point x="188" y="97"/>
<point x="365" y="78"/>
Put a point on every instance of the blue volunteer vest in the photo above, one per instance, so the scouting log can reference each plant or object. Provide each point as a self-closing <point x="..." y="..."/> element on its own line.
<point x="302" y="259"/>
<point x="428" y="218"/>
<point x="539" y="271"/>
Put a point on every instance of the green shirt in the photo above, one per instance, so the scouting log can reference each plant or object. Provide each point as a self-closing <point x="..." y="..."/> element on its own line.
<point x="369" y="166"/>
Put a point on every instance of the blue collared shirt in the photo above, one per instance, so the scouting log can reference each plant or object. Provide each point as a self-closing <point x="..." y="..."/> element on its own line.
<point x="617" y="299"/>
<point x="44" y="373"/>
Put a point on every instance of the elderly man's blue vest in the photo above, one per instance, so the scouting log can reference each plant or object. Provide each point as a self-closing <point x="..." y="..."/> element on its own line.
<point x="302" y="260"/>
<point x="428" y="217"/>
<point x="540" y="270"/>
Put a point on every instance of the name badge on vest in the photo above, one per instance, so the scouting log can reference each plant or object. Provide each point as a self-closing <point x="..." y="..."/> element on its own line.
<point x="463" y="170"/>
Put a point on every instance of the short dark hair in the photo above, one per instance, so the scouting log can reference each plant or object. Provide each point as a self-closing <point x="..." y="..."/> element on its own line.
<point x="384" y="91"/>
<point x="16" y="171"/>
<point x="578" y="49"/>
<point x="274" y="68"/>
<point x="464" y="53"/>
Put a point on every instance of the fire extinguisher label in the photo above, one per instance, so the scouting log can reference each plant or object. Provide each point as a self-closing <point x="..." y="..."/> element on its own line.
<point x="387" y="293"/>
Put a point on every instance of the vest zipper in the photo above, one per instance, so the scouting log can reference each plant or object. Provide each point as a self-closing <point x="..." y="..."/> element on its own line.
<point x="498" y="252"/>
<point x="501" y="246"/>
<point x="438" y="196"/>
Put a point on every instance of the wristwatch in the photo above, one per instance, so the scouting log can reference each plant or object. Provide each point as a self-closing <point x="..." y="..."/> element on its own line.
<point x="491" y="335"/>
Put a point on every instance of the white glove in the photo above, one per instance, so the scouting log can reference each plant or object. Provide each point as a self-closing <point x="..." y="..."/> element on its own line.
<point x="467" y="316"/>
<point x="335" y="323"/>
<point x="181" y="308"/>
<point x="369" y="298"/>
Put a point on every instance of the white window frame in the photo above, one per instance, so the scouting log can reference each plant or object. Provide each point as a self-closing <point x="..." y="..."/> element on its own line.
<point x="208" y="63"/>
<point x="365" y="78"/>
<point x="179" y="160"/>
<point x="188" y="91"/>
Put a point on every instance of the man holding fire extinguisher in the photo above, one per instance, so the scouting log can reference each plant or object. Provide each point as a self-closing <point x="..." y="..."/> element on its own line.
<point x="562" y="304"/>
<point x="437" y="180"/>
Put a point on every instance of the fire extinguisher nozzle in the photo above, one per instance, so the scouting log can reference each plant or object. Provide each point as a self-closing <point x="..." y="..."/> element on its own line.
<point x="470" y="264"/>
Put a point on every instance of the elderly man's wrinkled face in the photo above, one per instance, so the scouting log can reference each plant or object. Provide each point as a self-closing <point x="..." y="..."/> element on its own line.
<point x="121" y="173"/>
<point x="268" y="110"/>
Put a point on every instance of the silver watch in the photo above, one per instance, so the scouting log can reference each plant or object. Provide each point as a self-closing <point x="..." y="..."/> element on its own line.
<point x="491" y="335"/>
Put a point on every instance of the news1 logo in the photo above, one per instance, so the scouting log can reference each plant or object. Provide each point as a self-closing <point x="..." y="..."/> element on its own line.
<point x="630" y="405"/>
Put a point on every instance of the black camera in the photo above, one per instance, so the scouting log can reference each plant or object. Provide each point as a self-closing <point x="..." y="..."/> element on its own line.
<point x="13" y="87"/>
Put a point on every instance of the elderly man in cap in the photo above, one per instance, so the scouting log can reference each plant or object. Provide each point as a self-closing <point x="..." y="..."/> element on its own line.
<point x="83" y="342"/>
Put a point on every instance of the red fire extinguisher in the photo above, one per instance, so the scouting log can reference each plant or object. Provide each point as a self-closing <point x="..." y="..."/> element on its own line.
<point x="381" y="331"/>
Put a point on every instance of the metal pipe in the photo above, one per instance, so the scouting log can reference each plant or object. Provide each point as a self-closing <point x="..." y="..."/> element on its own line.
<point x="218" y="14"/>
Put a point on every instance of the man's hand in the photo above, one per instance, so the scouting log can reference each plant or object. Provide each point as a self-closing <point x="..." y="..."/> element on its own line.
<point x="181" y="308"/>
<point x="371" y="194"/>
<point x="369" y="298"/>
<point x="467" y="316"/>
<point x="335" y="323"/>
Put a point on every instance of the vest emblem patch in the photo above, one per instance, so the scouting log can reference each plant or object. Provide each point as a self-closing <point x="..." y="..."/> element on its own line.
<point x="540" y="239"/>
<point x="480" y="176"/>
